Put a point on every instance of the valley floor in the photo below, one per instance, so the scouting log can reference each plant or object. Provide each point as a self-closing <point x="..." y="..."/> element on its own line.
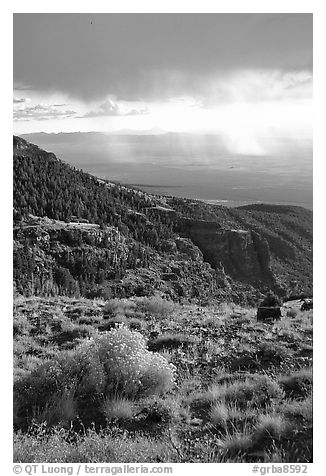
<point x="212" y="384"/>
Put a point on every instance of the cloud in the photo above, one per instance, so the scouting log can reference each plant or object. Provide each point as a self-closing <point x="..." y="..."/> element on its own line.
<point x="20" y="86"/>
<point x="153" y="56"/>
<point x="258" y="87"/>
<point x="112" y="108"/>
<point x="186" y="101"/>
<point x="41" y="112"/>
<point x="19" y="100"/>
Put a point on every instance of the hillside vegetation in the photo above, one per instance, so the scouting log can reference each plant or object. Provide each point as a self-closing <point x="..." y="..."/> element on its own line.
<point x="137" y="243"/>
<point x="135" y="330"/>
<point x="146" y="380"/>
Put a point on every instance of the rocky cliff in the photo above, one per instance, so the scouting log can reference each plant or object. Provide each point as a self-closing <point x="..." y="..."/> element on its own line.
<point x="242" y="254"/>
<point x="53" y="257"/>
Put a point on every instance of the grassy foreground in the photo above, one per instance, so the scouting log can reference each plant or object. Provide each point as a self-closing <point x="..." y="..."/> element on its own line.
<point x="146" y="380"/>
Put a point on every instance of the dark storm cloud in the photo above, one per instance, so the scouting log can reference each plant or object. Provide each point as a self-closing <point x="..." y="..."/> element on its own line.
<point x="149" y="56"/>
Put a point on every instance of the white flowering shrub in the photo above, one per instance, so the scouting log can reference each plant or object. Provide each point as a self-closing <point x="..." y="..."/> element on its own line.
<point x="131" y="368"/>
<point x="116" y="364"/>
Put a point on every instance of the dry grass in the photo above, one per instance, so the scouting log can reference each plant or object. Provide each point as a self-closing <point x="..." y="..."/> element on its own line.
<point x="243" y="390"/>
<point x="157" y="306"/>
<point x="118" y="408"/>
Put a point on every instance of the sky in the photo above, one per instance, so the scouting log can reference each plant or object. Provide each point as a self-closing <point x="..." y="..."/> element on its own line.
<point x="246" y="77"/>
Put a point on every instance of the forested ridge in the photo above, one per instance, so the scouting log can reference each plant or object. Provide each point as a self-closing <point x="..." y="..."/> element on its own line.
<point x="100" y="234"/>
<point x="46" y="186"/>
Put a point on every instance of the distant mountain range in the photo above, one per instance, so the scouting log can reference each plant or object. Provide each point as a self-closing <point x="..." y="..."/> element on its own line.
<point x="77" y="235"/>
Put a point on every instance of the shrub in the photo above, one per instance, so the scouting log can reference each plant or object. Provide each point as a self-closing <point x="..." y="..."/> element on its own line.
<point x="172" y="341"/>
<point x="71" y="331"/>
<point x="157" y="306"/>
<point x="60" y="409"/>
<point x="29" y="362"/>
<point x="21" y="325"/>
<point x="291" y="313"/>
<point x="255" y="391"/>
<point x="298" y="411"/>
<point x="117" y="362"/>
<point x="200" y="404"/>
<point x="158" y="410"/>
<point x="212" y="321"/>
<point x="99" y="292"/>
<point x="93" y="320"/>
<point x="122" y="307"/>
<point x="219" y="414"/>
<point x="83" y="365"/>
<point x="271" y="300"/>
<point x="241" y="418"/>
<point x="189" y="384"/>
<point x="112" y="322"/>
<point x="269" y="428"/>
<point x="118" y="408"/>
<point x="38" y="392"/>
<point x="286" y="330"/>
<point x="272" y="353"/>
<point x="236" y="444"/>
<point x="298" y="384"/>
<point x="158" y="376"/>
<point x="133" y="323"/>
<point x="130" y="367"/>
<point x="225" y="377"/>
<point x="37" y="387"/>
<point x="136" y="324"/>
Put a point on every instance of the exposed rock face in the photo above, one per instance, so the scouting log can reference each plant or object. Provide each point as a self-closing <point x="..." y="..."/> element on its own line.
<point x="53" y="257"/>
<point x="242" y="254"/>
<point x="185" y="246"/>
<point x="261" y="247"/>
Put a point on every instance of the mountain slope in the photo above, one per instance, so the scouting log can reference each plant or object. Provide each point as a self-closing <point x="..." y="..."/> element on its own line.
<point x="99" y="237"/>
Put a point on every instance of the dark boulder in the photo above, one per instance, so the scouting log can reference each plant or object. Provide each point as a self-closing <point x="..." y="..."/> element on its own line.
<point x="267" y="313"/>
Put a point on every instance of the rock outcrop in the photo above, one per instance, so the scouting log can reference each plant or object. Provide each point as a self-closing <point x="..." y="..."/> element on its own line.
<point x="242" y="254"/>
<point x="185" y="246"/>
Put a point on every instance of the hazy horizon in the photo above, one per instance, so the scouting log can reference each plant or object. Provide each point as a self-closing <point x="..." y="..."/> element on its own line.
<point x="235" y="89"/>
<point x="187" y="165"/>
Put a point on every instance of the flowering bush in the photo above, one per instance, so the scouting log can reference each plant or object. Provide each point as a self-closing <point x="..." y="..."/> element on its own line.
<point x="130" y="367"/>
<point x="114" y="364"/>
